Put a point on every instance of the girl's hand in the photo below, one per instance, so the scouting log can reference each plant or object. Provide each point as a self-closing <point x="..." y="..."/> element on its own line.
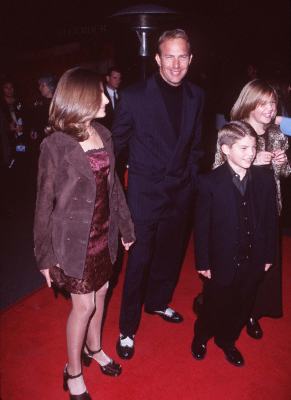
<point x="279" y="157"/>
<point x="126" y="245"/>
<point x="263" y="158"/>
<point x="46" y="274"/>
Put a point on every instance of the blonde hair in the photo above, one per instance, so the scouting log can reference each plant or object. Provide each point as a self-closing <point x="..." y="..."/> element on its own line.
<point x="250" y="97"/>
<point x="230" y="134"/>
<point x="76" y="102"/>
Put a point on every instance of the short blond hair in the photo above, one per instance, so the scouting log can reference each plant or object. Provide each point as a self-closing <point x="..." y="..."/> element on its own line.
<point x="228" y="135"/>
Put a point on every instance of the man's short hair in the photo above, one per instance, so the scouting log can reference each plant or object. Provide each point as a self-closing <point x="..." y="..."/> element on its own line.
<point x="113" y="69"/>
<point x="173" y="34"/>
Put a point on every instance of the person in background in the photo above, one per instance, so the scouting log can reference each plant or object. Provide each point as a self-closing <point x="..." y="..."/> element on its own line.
<point x="80" y="208"/>
<point x="257" y="104"/>
<point x="113" y="81"/>
<point x="40" y="112"/>
<point x="14" y="111"/>
<point x="284" y="123"/>
<point x="235" y="240"/>
<point x="159" y="122"/>
<point x="112" y="84"/>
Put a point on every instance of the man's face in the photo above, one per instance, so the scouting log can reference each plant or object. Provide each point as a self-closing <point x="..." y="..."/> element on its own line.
<point x="113" y="80"/>
<point x="8" y="89"/>
<point x="174" y="60"/>
<point x="241" y="154"/>
<point x="44" y="90"/>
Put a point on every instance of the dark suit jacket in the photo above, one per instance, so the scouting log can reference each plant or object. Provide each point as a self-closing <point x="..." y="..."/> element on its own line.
<point x="66" y="193"/>
<point x="217" y="222"/>
<point x="109" y="111"/>
<point x="161" y="165"/>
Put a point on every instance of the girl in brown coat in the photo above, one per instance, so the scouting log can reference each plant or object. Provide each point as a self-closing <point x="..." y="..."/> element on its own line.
<point x="80" y="209"/>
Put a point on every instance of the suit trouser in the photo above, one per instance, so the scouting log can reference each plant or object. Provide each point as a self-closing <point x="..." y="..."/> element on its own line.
<point x="152" y="269"/>
<point x="226" y="309"/>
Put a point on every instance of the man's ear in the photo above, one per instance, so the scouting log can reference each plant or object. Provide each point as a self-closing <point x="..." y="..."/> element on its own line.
<point x="225" y="149"/>
<point x="158" y="59"/>
<point x="107" y="78"/>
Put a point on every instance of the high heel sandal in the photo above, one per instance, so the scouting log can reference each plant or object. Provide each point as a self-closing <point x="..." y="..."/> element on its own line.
<point x="111" y="368"/>
<point x="67" y="376"/>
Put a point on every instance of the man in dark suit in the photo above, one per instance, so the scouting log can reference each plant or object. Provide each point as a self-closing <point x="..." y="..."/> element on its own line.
<point x="159" y="120"/>
<point x="235" y="240"/>
<point x="111" y="85"/>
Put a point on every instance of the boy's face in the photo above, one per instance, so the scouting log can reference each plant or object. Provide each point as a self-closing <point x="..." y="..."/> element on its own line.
<point x="242" y="153"/>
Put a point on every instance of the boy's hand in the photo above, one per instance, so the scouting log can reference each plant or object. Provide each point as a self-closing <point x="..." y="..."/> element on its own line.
<point x="206" y="274"/>
<point x="267" y="267"/>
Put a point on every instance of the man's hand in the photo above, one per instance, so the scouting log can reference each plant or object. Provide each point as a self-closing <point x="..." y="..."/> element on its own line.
<point x="206" y="274"/>
<point x="126" y="245"/>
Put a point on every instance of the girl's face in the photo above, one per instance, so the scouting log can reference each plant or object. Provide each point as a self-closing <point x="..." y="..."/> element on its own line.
<point x="265" y="111"/>
<point x="104" y="101"/>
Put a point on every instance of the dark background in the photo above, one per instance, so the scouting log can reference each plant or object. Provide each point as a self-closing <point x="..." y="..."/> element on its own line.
<point x="41" y="36"/>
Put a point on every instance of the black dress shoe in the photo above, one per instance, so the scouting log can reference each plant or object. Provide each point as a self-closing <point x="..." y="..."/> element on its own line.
<point x="233" y="356"/>
<point x="125" y="352"/>
<point x="198" y="350"/>
<point x="254" y="329"/>
<point x="168" y="315"/>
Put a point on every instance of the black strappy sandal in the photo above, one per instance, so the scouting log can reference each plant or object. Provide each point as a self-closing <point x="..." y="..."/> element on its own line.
<point x="111" y="368"/>
<point x="67" y="376"/>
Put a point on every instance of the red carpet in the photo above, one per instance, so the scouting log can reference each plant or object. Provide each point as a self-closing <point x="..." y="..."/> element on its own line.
<point x="33" y="353"/>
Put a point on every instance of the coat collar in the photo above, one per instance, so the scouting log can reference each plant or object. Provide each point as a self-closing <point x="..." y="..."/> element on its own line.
<point x="75" y="155"/>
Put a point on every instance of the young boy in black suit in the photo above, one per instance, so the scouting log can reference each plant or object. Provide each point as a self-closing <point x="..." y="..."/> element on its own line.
<point x="235" y="240"/>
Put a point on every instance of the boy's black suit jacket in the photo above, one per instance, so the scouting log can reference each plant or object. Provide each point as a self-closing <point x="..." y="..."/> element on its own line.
<point x="217" y="222"/>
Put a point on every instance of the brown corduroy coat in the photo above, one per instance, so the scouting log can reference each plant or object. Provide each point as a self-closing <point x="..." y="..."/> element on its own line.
<point x="66" y="192"/>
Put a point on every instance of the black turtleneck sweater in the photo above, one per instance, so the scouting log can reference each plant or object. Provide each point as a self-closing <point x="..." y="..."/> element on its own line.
<point x="173" y="97"/>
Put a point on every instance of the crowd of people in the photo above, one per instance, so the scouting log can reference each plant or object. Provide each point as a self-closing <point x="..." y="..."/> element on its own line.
<point x="155" y="128"/>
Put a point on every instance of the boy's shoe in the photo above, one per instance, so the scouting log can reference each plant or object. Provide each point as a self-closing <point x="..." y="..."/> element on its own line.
<point x="254" y="329"/>
<point x="198" y="350"/>
<point x="234" y="356"/>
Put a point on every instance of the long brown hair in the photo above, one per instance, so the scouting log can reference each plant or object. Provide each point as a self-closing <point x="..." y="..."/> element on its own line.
<point x="75" y="102"/>
<point x="250" y="97"/>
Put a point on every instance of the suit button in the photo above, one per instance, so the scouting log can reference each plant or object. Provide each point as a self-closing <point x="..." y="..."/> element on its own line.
<point x="238" y="264"/>
<point x="70" y="217"/>
<point x="248" y="233"/>
<point x="89" y="201"/>
<point x="244" y="203"/>
<point x="250" y="246"/>
<point x="68" y="239"/>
